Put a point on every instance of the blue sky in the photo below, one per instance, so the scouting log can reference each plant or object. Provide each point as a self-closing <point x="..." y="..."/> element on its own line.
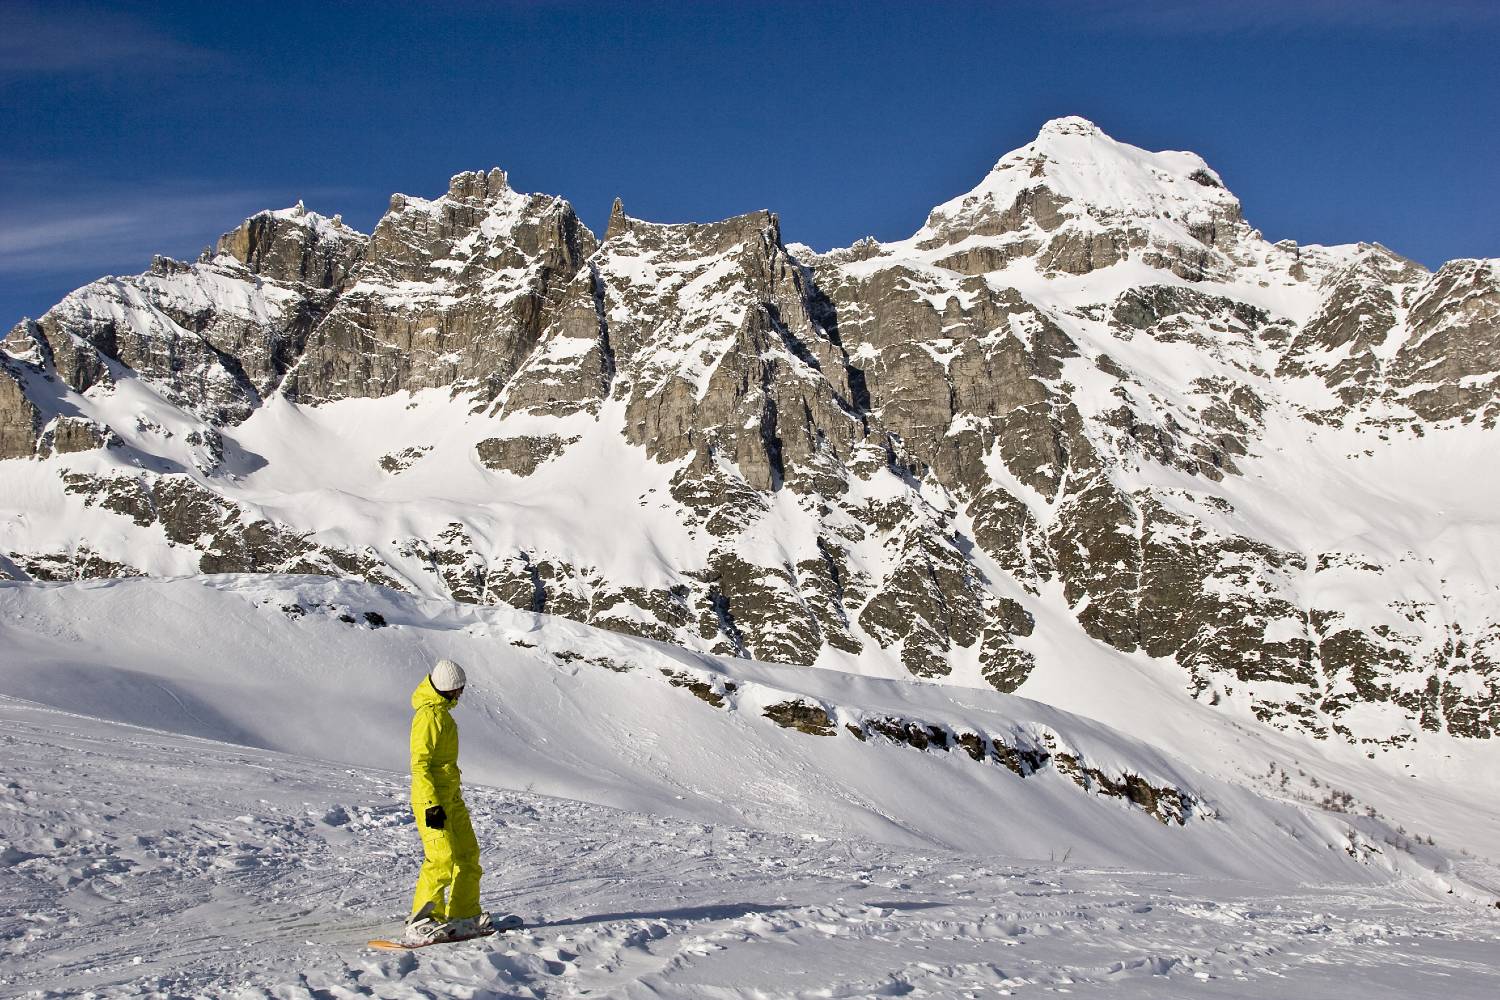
<point x="127" y="130"/>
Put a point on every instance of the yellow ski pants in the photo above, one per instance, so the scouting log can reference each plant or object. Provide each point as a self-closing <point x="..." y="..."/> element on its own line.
<point x="451" y="868"/>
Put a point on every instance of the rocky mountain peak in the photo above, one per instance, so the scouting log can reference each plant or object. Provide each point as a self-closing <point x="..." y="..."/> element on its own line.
<point x="1449" y="365"/>
<point x="1068" y="125"/>
<point x="293" y="244"/>
<point x="479" y="185"/>
<point x="617" y="219"/>
<point x="916" y="455"/>
<point x="1080" y="161"/>
<point x="1075" y="199"/>
<point x="452" y="291"/>
<point x="1080" y="165"/>
<point x="1379" y="262"/>
<point x="700" y="238"/>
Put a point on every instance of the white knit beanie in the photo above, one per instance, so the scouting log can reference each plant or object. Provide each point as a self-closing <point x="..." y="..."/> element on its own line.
<point x="447" y="676"/>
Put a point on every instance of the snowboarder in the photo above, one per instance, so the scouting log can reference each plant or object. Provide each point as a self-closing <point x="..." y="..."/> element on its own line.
<point x="446" y="904"/>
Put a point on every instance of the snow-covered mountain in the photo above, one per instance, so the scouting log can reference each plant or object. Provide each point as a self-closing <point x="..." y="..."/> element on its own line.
<point x="1086" y="388"/>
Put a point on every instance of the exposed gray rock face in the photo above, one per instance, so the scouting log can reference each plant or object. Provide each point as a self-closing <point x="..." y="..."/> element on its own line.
<point x="449" y="293"/>
<point x="397" y="462"/>
<point x="83" y="563"/>
<point x="1389" y="332"/>
<point x="215" y="336"/>
<point x="1008" y="530"/>
<point x="1170" y="313"/>
<point x="1022" y="754"/>
<point x="66" y="435"/>
<point x="227" y="537"/>
<point x="1344" y="342"/>
<point x="294" y="247"/>
<point x="704" y="331"/>
<point x="1052" y="396"/>
<point x="521" y="455"/>
<point x="708" y="337"/>
<point x="1449" y="366"/>
<point x="20" y="420"/>
<point x="930" y="603"/>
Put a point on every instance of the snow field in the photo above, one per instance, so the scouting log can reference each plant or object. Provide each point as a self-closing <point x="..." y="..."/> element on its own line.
<point x="249" y="841"/>
<point x="144" y="864"/>
<point x="293" y="664"/>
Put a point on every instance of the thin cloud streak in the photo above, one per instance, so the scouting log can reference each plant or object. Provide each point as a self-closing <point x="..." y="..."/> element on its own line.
<point x="39" y="40"/>
<point x="53" y="237"/>
<point x="50" y="241"/>
<point x="21" y="242"/>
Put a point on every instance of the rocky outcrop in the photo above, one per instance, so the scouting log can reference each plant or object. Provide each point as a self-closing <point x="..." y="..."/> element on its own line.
<point x="522" y="455"/>
<point x="82" y="563"/>
<point x="227" y="537"/>
<point x="397" y="462"/>
<point x="801" y="716"/>
<point x="294" y="247"/>
<point x="716" y="352"/>
<point x="20" y="420"/>
<point x="216" y="336"/>
<point x="1449" y="366"/>
<point x="1344" y="343"/>
<point x="450" y="293"/>
<point x="1024" y="754"/>
<point x="67" y="435"/>
<point x="1415" y="347"/>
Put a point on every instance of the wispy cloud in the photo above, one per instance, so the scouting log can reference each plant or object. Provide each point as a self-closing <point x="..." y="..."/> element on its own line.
<point x="54" y="234"/>
<point x="59" y="231"/>
<point x="42" y="39"/>
<point x="1213" y="17"/>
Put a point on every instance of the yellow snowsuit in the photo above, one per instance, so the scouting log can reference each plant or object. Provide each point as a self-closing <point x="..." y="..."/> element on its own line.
<point x="452" y="853"/>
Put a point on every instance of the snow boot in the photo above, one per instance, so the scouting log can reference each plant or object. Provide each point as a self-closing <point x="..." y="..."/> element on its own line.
<point x="466" y="927"/>
<point x="421" y="929"/>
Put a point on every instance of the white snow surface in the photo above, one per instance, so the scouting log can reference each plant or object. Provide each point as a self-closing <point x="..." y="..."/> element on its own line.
<point x="1074" y="157"/>
<point x="216" y="806"/>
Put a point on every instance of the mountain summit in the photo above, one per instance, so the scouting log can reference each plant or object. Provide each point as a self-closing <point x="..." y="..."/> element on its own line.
<point x="1076" y="200"/>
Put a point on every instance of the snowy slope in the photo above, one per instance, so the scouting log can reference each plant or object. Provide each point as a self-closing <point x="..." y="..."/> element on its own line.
<point x="563" y="709"/>
<point x="141" y="863"/>
<point x="318" y="467"/>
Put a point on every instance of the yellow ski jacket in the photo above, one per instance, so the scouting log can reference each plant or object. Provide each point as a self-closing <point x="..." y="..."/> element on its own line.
<point x="434" y="751"/>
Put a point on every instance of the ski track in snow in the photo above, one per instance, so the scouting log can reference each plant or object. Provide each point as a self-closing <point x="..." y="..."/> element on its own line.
<point x="136" y="863"/>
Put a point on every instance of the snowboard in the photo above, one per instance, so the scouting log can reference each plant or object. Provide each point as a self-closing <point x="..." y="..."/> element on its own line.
<point x="507" y="924"/>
